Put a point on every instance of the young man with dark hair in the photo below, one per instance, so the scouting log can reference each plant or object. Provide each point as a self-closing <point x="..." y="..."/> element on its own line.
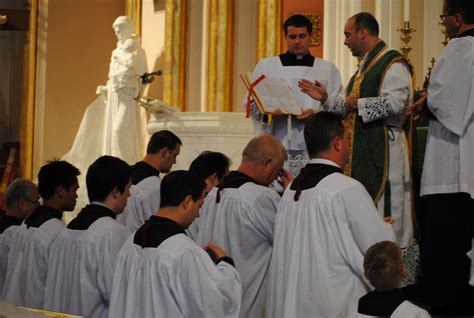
<point x="212" y="167"/>
<point x="239" y="215"/>
<point x="377" y="97"/>
<point x="296" y="63"/>
<point x="21" y="199"/>
<point x="82" y="257"/>
<point x="384" y="268"/>
<point x="160" y="272"/>
<point x="29" y="248"/>
<point x="162" y="150"/>
<point x="447" y="182"/>
<point x="324" y="224"/>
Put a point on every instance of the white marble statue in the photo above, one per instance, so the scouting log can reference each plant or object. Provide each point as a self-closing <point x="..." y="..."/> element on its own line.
<point x="123" y="122"/>
<point x="114" y="123"/>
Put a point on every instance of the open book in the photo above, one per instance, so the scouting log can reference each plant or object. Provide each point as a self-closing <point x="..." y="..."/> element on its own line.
<point x="271" y="93"/>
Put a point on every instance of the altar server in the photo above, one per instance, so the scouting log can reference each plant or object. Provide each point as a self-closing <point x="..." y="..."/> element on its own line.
<point x="162" y="150"/>
<point x="82" y="257"/>
<point x="239" y="215"/>
<point x="21" y="199"/>
<point x="161" y="272"/>
<point x="293" y="65"/>
<point x="325" y="223"/>
<point x="29" y="248"/>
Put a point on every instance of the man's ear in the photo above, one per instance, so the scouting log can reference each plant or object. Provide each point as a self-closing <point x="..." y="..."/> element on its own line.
<point x="115" y="192"/>
<point x="164" y="152"/>
<point x="266" y="163"/>
<point x="336" y="143"/>
<point x="212" y="179"/>
<point x="187" y="201"/>
<point x="60" y="191"/>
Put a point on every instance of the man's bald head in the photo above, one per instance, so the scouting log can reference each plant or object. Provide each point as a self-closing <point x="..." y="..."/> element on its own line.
<point x="263" y="147"/>
<point x="263" y="158"/>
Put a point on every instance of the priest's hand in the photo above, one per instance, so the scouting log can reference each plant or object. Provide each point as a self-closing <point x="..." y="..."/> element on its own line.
<point x="351" y="103"/>
<point x="315" y="89"/>
<point x="416" y="108"/>
<point x="284" y="178"/>
<point x="305" y="113"/>
<point x="216" y="250"/>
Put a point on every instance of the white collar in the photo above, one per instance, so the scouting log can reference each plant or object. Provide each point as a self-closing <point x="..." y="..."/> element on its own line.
<point x="324" y="161"/>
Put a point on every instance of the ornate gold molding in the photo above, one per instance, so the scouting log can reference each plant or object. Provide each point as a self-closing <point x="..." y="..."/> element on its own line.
<point x="27" y="113"/>
<point x="269" y="28"/>
<point x="220" y="55"/>
<point x="175" y="53"/>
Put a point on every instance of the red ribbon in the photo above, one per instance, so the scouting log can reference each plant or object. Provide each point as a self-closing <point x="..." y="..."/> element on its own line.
<point x="250" y="91"/>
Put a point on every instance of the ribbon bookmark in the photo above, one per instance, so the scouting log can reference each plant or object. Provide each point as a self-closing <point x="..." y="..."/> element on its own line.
<point x="250" y="91"/>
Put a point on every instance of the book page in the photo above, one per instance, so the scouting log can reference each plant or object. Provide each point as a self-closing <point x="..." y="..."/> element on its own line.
<point x="274" y="93"/>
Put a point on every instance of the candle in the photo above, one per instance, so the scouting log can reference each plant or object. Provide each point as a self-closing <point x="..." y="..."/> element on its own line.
<point x="406" y="10"/>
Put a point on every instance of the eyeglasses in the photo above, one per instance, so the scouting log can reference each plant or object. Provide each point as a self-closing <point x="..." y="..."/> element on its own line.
<point x="35" y="202"/>
<point x="444" y="16"/>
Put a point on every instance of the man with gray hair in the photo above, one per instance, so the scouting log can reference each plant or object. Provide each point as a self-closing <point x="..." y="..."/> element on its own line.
<point x="21" y="199"/>
<point x="239" y="216"/>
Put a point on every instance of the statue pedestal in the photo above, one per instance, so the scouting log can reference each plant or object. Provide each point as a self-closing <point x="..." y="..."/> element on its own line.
<point x="228" y="133"/>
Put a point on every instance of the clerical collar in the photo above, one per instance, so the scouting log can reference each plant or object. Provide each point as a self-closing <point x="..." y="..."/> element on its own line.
<point x="290" y="59"/>
<point x="89" y="214"/>
<point x="142" y="170"/>
<point x="324" y="161"/>
<point x="155" y="231"/>
<point x="381" y="303"/>
<point x="235" y="179"/>
<point x="468" y="32"/>
<point x="309" y="177"/>
<point x="41" y="215"/>
<point x="8" y="220"/>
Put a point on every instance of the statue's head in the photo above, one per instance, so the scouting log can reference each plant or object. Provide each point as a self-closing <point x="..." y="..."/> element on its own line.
<point x="123" y="28"/>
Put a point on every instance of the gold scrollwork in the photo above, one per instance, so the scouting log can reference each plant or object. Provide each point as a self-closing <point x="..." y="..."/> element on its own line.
<point x="316" y="21"/>
<point x="3" y="19"/>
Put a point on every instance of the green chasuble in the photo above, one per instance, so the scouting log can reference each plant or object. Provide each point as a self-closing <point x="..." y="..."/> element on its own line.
<point x="369" y="161"/>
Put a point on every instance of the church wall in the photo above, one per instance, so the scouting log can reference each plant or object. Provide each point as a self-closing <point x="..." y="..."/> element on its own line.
<point x="153" y="41"/>
<point x="74" y="47"/>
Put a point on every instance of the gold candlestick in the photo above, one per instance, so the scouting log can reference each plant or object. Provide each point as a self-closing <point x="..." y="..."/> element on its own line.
<point x="406" y="38"/>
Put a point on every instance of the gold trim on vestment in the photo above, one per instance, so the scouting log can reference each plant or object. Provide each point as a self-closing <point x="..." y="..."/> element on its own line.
<point x="351" y="119"/>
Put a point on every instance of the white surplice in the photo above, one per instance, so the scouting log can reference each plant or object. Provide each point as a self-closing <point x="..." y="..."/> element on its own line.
<point x="320" y="240"/>
<point x="5" y="238"/>
<point x="395" y="96"/>
<point x="175" y="279"/>
<point x="81" y="267"/>
<point x="242" y="224"/>
<point x="449" y="156"/>
<point x="143" y="202"/>
<point x="27" y="263"/>
<point x="405" y="310"/>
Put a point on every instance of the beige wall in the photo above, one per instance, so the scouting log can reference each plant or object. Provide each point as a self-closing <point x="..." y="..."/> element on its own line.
<point x="74" y="47"/>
